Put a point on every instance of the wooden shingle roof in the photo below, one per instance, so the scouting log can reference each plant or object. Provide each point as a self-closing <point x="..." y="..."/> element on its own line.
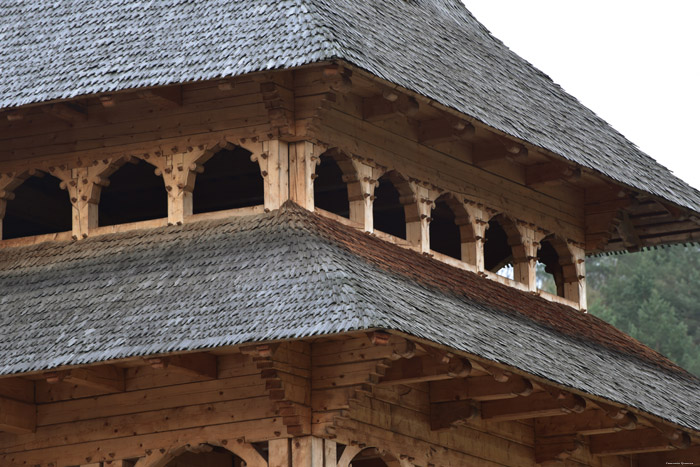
<point x="62" y="50"/>
<point x="292" y="274"/>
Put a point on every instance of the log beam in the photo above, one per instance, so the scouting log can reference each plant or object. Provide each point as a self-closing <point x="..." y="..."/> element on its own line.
<point x="540" y="404"/>
<point x="550" y="172"/>
<point x="425" y="368"/>
<point x="557" y="449"/>
<point x="635" y="442"/>
<point x="480" y="388"/>
<point x="445" y="415"/>
<point x="68" y="112"/>
<point x="590" y="422"/>
<point x="442" y="130"/>
<point x="17" y="416"/>
<point x="168" y="98"/>
<point x="199" y="365"/>
<point x="105" y="378"/>
<point x="388" y="105"/>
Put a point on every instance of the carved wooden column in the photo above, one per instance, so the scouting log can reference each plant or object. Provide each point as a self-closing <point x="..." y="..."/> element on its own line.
<point x="361" y="193"/>
<point x="418" y="211"/>
<point x="304" y="156"/>
<point x="179" y="172"/>
<point x="472" y="233"/>
<point x="84" y="185"/>
<point x="273" y="158"/>
<point x="525" y="255"/>
<point x="575" y="277"/>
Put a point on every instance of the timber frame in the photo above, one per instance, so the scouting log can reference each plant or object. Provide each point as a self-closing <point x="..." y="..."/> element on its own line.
<point x="320" y="402"/>
<point x="323" y="401"/>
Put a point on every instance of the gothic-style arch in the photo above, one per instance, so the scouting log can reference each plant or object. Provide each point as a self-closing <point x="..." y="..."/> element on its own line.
<point x="33" y="203"/>
<point x="244" y="451"/>
<point x="395" y="208"/>
<point x="336" y="185"/>
<point x="503" y="244"/>
<point x="451" y="231"/>
<point x="560" y="262"/>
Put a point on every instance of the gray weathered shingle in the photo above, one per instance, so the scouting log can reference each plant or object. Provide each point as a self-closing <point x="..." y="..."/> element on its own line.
<point x="60" y="50"/>
<point x="290" y="274"/>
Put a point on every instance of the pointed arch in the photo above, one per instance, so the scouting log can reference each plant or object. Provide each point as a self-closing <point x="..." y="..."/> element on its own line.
<point x="369" y="457"/>
<point x="395" y="207"/>
<point x="559" y="261"/>
<point x="227" y="178"/>
<point x="33" y="203"/>
<point x="243" y="451"/>
<point x="451" y="230"/>
<point x="336" y="183"/>
<point x="132" y="190"/>
<point x="503" y="243"/>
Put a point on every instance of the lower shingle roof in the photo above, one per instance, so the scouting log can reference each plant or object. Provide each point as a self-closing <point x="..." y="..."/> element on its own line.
<point x="293" y="274"/>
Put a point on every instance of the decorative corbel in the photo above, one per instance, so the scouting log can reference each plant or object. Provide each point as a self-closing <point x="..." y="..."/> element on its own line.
<point x="525" y="255"/>
<point x="361" y="192"/>
<point x="273" y="158"/>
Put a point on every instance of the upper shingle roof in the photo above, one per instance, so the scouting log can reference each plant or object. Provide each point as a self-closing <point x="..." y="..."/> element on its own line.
<point x="292" y="274"/>
<point x="60" y="50"/>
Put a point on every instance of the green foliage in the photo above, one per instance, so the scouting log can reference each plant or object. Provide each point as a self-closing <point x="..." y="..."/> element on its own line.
<point x="653" y="296"/>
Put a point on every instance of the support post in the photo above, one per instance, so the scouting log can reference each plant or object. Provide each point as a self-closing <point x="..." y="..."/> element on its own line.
<point x="303" y="159"/>
<point x="361" y="194"/>
<point x="473" y="244"/>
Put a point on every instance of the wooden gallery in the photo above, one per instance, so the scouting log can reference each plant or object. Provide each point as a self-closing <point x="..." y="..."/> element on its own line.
<point x="305" y="233"/>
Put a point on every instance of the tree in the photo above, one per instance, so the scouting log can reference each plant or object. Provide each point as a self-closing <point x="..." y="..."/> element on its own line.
<point x="653" y="296"/>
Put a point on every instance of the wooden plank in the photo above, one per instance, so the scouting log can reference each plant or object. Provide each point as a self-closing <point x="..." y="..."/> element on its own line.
<point x="151" y="399"/>
<point x="17" y="416"/>
<point x="130" y="447"/>
<point x="105" y="378"/>
<point x="630" y="442"/>
<point x="198" y="365"/>
<point x="590" y="422"/>
<point x="144" y="422"/>
<point x="445" y="415"/>
<point x="426" y="368"/>
<point x="481" y="388"/>
<point x="20" y="389"/>
<point x="278" y="452"/>
<point x="540" y="404"/>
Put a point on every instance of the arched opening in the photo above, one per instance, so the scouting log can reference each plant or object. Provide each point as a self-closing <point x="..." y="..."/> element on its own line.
<point x="331" y="183"/>
<point x="501" y="236"/>
<point x="556" y="266"/>
<point x="135" y="193"/>
<point x="450" y="230"/>
<point x="391" y="210"/>
<point x="206" y="456"/>
<point x="230" y="180"/>
<point x="39" y="207"/>
<point x="373" y="457"/>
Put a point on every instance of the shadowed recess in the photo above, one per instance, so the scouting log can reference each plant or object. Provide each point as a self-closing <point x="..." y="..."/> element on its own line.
<point x="135" y="193"/>
<point x="330" y="191"/>
<point x="444" y="232"/>
<point x="389" y="214"/>
<point x="230" y="180"/>
<point x="40" y="207"/>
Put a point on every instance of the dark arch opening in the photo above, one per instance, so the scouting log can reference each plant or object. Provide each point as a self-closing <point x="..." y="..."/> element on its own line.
<point x="330" y="190"/>
<point x="212" y="456"/>
<point x="498" y="252"/>
<point x="135" y="193"/>
<point x="389" y="214"/>
<point x="372" y="457"/>
<point x="445" y="236"/>
<point x="40" y="207"/>
<point x="230" y="180"/>
<point x="552" y="257"/>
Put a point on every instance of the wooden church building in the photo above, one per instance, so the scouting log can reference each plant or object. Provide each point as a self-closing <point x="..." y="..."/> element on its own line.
<point x="273" y="233"/>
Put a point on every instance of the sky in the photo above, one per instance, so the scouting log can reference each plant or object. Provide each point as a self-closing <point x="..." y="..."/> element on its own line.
<point x="634" y="63"/>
